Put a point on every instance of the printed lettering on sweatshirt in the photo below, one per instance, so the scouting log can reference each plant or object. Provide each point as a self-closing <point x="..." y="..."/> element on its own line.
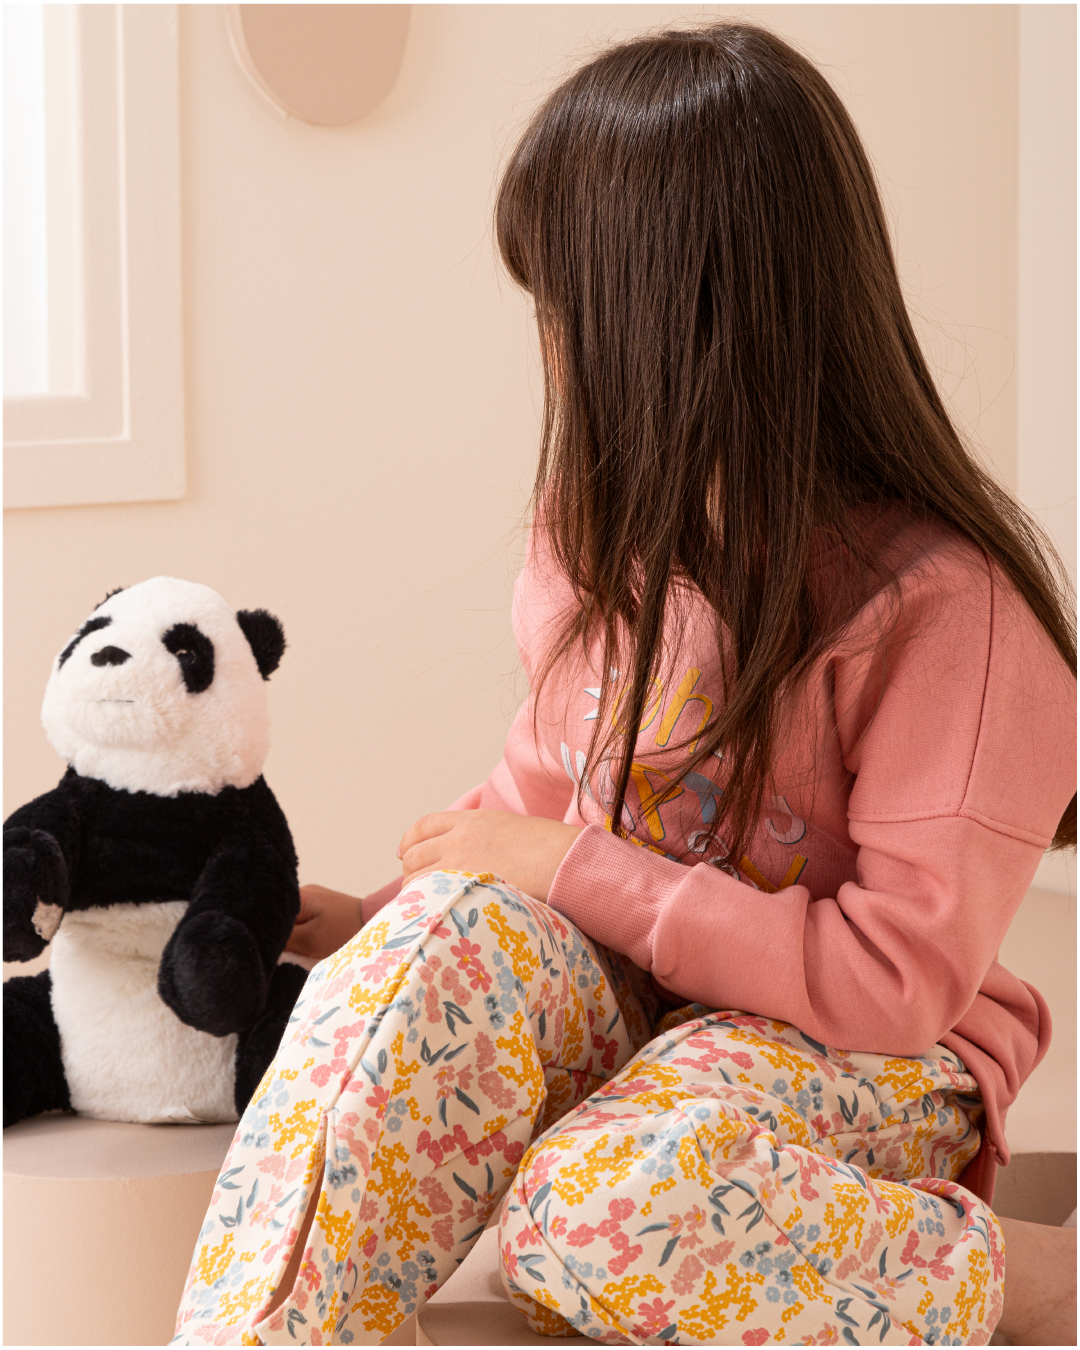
<point x="673" y="818"/>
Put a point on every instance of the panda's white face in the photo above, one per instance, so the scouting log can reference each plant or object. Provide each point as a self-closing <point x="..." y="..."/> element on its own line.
<point x="159" y="691"/>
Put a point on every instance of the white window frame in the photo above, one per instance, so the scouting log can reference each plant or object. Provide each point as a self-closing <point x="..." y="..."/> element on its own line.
<point x="121" y="438"/>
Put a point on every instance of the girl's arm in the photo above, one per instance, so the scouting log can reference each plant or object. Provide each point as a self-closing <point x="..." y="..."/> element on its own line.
<point x="960" y="740"/>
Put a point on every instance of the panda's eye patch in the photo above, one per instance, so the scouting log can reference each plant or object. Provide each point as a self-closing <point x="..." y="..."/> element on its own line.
<point x="195" y="653"/>
<point x="90" y="626"/>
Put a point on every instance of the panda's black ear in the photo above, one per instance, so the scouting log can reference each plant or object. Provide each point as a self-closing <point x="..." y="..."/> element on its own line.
<point x="266" y="636"/>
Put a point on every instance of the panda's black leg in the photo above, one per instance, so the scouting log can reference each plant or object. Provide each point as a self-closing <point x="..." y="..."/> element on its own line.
<point x="33" y="1070"/>
<point x="257" y="1046"/>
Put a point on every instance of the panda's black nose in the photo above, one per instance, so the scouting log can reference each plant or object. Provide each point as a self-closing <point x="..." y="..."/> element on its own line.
<point x="110" y="656"/>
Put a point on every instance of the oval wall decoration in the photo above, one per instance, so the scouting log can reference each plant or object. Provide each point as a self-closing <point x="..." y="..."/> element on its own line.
<point x="324" y="64"/>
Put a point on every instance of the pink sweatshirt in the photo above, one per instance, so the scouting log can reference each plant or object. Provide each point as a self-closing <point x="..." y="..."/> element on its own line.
<point x="915" y="790"/>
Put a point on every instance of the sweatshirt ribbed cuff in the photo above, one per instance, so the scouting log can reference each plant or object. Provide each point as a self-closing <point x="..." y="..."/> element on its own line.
<point x="614" y="891"/>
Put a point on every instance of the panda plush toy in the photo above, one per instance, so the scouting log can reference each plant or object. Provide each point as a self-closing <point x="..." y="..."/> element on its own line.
<point x="161" y="869"/>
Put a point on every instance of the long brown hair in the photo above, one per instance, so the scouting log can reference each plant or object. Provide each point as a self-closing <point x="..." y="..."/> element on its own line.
<point x="731" y="376"/>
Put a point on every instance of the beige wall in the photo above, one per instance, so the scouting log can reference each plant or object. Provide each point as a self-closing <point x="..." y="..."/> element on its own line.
<point x="361" y="395"/>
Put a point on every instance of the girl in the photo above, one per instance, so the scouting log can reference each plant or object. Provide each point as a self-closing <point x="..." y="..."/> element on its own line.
<point x="801" y="727"/>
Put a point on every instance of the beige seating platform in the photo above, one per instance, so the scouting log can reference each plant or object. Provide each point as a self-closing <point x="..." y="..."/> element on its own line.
<point x="100" y="1221"/>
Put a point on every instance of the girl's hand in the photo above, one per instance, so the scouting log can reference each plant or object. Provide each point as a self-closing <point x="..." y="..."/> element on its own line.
<point x="524" y="850"/>
<point x="327" y="920"/>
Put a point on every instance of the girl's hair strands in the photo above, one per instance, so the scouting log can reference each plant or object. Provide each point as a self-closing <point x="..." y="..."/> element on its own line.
<point x="732" y="386"/>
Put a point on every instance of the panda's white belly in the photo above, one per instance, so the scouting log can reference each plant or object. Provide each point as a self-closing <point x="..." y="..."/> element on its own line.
<point x="126" y="1055"/>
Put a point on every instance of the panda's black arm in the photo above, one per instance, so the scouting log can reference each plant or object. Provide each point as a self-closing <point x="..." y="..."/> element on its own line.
<point x="41" y="856"/>
<point x="216" y="969"/>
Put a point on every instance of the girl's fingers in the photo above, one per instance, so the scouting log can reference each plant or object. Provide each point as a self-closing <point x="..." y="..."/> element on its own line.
<point x="422" y="856"/>
<point x="326" y="921"/>
<point x="308" y="908"/>
<point x="300" y="942"/>
<point x="427" y="827"/>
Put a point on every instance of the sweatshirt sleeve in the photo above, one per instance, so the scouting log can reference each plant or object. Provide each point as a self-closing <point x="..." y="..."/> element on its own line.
<point x="961" y="744"/>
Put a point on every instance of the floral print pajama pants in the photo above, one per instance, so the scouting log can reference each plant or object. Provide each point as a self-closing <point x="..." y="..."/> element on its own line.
<point x="702" y="1177"/>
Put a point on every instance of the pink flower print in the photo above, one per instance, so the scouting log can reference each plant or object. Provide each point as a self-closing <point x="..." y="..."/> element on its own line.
<point x="451" y="982"/>
<point x="274" y="1164"/>
<point x="468" y="954"/>
<point x="509" y="1261"/>
<point x="379" y="1101"/>
<point x="936" y="1266"/>
<point x="756" y="1337"/>
<point x="342" y="1037"/>
<point x="375" y="971"/>
<point x="528" y="1237"/>
<point x="286" y="1241"/>
<point x="437" y="1149"/>
<point x="309" y="1272"/>
<point x="320" y="1075"/>
<point x="634" y="1085"/>
<point x="442" y="1230"/>
<point x="694" y="1220"/>
<point x="445" y="1076"/>
<point x="558" y="1226"/>
<point x="713" y="1053"/>
<point x="682" y="1282"/>
<point x="621" y="1209"/>
<point x="626" y="1255"/>
<point x="478" y="1211"/>
<point x="413" y="912"/>
<point x="336" y="985"/>
<point x="674" y="1224"/>
<point x="654" y="1316"/>
<point x="718" y="1254"/>
<point x="538" y="1171"/>
<point x="608" y="1049"/>
<point x="830" y="1336"/>
<point x="581" y="1236"/>
<point x="768" y="1188"/>
<point x="885" y="1285"/>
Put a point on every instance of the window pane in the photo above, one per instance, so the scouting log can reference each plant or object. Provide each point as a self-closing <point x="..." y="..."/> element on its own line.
<point x="43" y="332"/>
<point x="26" y="357"/>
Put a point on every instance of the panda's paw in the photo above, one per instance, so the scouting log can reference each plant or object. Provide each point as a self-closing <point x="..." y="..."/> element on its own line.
<point x="211" y="974"/>
<point x="35" y="891"/>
